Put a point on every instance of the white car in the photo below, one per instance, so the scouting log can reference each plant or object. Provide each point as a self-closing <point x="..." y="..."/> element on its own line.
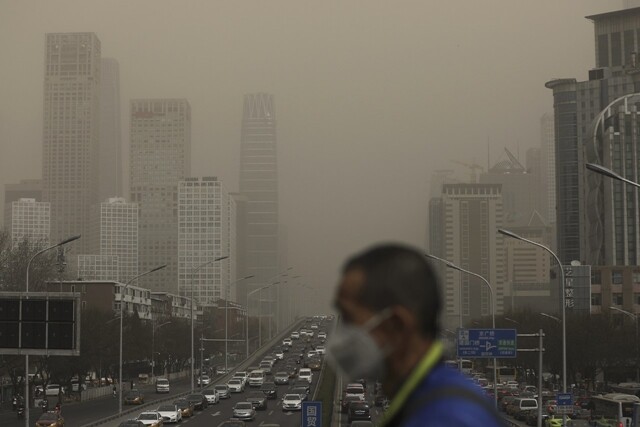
<point x="321" y="350"/>
<point x="53" y="390"/>
<point x="295" y="335"/>
<point x="235" y="385"/>
<point x="291" y="402"/>
<point x="322" y="335"/>
<point x="211" y="395"/>
<point x="170" y="413"/>
<point x="205" y="380"/>
<point x="305" y="374"/>
<point x="222" y="390"/>
<point x="244" y="411"/>
<point x="244" y="375"/>
<point x="150" y="418"/>
<point x="287" y="341"/>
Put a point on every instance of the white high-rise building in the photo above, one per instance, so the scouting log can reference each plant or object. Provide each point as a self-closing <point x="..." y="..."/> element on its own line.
<point x="98" y="267"/>
<point x="207" y="230"/>
<point x="31" y="220"/>
<point x="71" y="131"/>
<point x="160" y="157"/>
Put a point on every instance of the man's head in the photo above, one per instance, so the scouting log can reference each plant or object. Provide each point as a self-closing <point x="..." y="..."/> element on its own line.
<point x="396" y="284"/>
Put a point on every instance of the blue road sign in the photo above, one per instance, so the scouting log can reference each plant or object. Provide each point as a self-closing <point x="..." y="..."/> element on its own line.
<point x="498" y="343"/>
<point x="564" y="403"/>
<point x="311" y="414"/>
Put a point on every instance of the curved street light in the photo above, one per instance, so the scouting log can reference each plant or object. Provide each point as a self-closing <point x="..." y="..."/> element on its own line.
<point x="249" y="296"/>
<point x="192" y="304"/>
<point x="226" y="322"/>
<point x="26" y="357"/>
<point x="154" y="328"/>
<point x="564" y="314"/>
<point x="123" y="289"/>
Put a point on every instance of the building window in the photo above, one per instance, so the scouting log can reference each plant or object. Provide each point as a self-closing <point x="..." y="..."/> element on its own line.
<point x="596" y="299"/>
<point x="616" y="298"/>
<point x="616" y="277"/>
<point x="596" y="277"/>
<point x="636" y="298"/>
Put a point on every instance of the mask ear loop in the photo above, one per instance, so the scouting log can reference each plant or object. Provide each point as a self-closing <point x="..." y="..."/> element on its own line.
<point x="377" y="319"/>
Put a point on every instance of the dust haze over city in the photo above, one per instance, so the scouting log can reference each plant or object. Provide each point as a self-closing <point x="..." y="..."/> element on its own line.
<point x="371" y="97"/>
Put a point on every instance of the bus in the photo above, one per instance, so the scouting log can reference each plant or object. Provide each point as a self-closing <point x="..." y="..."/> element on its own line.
<point x="613" y="409"/>
<point x="505" y="374"/>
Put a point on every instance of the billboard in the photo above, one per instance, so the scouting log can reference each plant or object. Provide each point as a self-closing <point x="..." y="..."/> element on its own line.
<point x="40" y="323"/>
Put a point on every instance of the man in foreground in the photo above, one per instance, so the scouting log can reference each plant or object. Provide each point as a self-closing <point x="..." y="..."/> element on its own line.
<point x="389" y="302"/>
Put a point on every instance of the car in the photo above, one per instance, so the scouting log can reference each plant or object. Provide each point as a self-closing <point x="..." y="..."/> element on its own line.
<point x="50" y="419"/>
<point x="287" y="342"/>
<point x="266" y="367"/>
<point x="131" y="423"/>
<point x="355" y="389"/>
<point x="53" y="390"/>
<point x="300" y="391"/>
<point x="170" y="413"/>
<point x="162" y="385"/>
<point x="305" y="373"/>
<point x="358" y="411"/>
<point x="222" y="390"/>
<point x="256" y="378"/>
<point x="322" y="335"/>
<point x="244" y="411"/>
<point x="270" y="359"/>
<point x="235" y="385"/>
<point x="150" y="418"/>
<point x="185" y="407"/>
<point x="258" y="400"/>
<point x="312" y="353"/>
<point x="242" y="375"/>
<point x="347" y="400"/>
<point x="315" y="364"/>
<point x="198" y="401"/>
<point x="302" y="383"/>
<point x="270" y="390"/>
<point x="279" y="354"/>
<point x="211" y="395"/>
<point x="291" y="402"/>
<point x="295" y="335"/>
<point x="206" y="380"/>
<point x="321" y="350"/>
<point x="134" y="397"/>
<point x="281" y="378"/>
<point x="361" y="423"/>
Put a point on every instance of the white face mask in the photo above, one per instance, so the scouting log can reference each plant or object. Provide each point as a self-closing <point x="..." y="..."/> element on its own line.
<point x="354" y="352"/>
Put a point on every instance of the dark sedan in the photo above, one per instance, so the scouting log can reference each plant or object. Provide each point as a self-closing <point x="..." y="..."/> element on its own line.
<point x="270" y="390"/>
<point x="359" y="411"/>
<point x="258" y="400"/>
<point x="198" y="401"/>
<point x="133" y="397"/>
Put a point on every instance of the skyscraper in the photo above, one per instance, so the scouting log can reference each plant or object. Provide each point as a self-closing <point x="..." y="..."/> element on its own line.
<point x="259" y="183"/>
<point x="472" y="214"/>
<point x="160" y="138"/>
<point x="576" y="105"/>
<point x="110" y="163"/>
<point x="207" y="230"/>
<point x="25" y="189"/>
<point x="71" y="130"/>
<point x="548" y="166"/>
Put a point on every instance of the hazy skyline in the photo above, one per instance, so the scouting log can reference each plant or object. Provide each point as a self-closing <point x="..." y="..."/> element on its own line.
<point x="371" y="96"/>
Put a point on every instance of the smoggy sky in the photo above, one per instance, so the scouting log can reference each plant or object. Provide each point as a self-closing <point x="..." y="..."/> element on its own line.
<point x="371" y="96"/>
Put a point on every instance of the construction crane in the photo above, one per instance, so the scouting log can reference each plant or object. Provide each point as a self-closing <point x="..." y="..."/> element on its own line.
<point x="473" y="167"/>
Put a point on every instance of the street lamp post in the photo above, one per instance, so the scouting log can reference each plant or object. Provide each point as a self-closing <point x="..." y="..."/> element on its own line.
<point x="249" y="296"/>
<point x="635" y="320"/>
<point x="493" y="320"/>
<point x="562" y="291"/>
<point x="192" y="304"/>
<point x="226" y="321"/>
<point x="153" y="340"/>
<point x="123" y="289"/>
<point x="26" y="357"/>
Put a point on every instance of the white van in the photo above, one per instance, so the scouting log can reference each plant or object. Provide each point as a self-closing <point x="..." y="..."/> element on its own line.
<point x="256" y="378"/>
<point x="305" y="374"/>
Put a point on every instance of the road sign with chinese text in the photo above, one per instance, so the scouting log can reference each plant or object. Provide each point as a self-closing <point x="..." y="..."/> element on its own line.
<point x="311" y="414"/>
<point x="564" y="404"/>
<point x="493" y="343"/>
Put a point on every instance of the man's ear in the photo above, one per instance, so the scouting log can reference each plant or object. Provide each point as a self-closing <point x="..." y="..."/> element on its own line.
<point x="402" y="322"/>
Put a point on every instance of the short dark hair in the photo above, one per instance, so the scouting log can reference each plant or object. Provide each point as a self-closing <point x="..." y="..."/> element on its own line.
<point x="399" y="275"/>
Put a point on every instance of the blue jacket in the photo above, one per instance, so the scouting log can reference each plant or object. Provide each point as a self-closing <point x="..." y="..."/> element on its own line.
<point x="427" y="407"/>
